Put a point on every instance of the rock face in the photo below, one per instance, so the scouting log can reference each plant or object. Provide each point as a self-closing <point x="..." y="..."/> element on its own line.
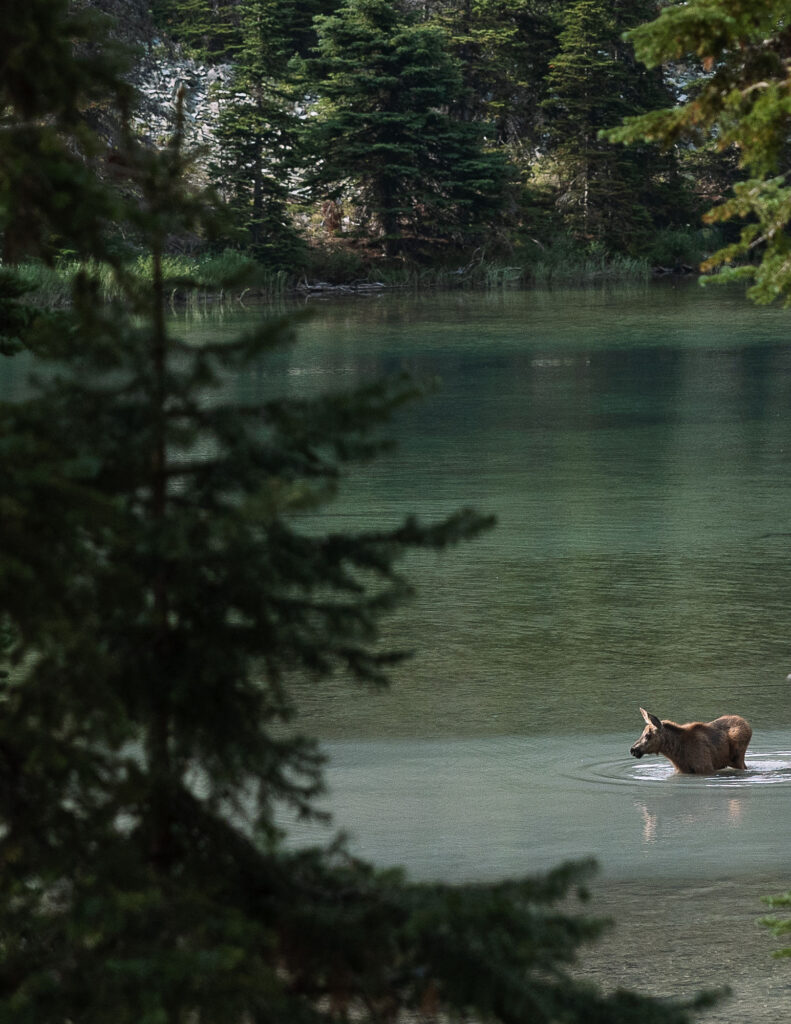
<point x="160" y="71"/>
<point x="159" y="77"/>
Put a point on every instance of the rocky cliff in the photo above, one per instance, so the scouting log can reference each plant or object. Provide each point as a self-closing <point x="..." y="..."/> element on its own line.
<point x="160" y="71"/>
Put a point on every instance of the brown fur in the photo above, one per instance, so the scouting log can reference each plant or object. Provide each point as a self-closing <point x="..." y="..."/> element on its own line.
<point x="696" y="748"/>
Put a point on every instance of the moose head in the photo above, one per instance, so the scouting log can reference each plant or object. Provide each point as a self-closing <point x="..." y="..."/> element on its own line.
<point x="650" y="740"/>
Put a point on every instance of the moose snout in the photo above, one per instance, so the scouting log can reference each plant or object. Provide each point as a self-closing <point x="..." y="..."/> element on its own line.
<point x="635" y="751"/>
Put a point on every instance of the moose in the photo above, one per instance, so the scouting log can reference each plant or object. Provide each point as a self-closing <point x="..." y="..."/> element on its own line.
<point x="697" y="748"/>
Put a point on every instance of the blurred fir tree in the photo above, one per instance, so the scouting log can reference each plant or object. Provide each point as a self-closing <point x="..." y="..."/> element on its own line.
<point x="384" y="135"/>
<point x="50" y="158"/>
<point x="157" y="596"/>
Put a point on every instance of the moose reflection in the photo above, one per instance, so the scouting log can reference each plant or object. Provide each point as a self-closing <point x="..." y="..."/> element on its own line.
<point x="696" y="748"/>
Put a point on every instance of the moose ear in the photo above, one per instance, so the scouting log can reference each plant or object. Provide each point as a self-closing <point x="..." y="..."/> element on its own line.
<point x="651" y="719"/>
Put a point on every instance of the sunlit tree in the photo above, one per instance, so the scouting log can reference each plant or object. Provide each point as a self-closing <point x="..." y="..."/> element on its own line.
<point x="208" y="28"/>
<point x="742" y="103"/>
<point x="504" y="48"/>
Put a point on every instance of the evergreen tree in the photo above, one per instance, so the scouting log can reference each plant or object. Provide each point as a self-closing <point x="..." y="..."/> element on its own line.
<point x="742" y="105"/>
<point x="258" y="126"/>
<point x="275" y="31"/>
<point x="158" y="595"/>
<point x="383" y="130"/>
<point x="504" y="48"/>
<point x="256" y="132"/>
<point x="606" y="193"/>
<point x="49" y="156"/>
<point x="209" y="29"/>
<point x="252" y="167"/>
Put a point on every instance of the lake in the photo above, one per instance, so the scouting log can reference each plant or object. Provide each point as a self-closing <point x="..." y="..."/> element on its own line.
<point x="635" y="445"/>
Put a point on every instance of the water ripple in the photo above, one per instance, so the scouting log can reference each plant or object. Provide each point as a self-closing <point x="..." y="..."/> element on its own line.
<point x="767" y="768"/>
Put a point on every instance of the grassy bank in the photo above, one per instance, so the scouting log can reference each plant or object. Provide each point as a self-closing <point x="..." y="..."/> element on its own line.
<point x="207" y="279"/>
<point x="195" y="280"/>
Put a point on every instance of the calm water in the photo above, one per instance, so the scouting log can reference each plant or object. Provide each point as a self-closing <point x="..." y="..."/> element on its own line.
<point x="636" y="447"/>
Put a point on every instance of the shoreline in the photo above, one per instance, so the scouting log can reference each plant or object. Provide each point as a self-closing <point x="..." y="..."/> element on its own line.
<point x="50" y="287"/>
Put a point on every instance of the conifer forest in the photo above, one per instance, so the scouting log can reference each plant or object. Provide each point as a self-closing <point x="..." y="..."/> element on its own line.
<point x="163" y="606"/>
<point x="347" y="139"/>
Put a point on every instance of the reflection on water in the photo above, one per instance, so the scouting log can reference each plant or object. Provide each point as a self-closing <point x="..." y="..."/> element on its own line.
<point x="488" y="808"/>
<point x="649" y="823"/>
<point x="732" y="814"/>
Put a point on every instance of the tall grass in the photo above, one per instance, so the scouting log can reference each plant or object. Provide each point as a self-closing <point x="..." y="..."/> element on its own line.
<point x="587" y="270"/>
<point x="483" y="274"/>
<point x="565" y="262"/>
<point x="49" y="286"/>
<point x="196" y="281"/>
<point x="199" y="282"/>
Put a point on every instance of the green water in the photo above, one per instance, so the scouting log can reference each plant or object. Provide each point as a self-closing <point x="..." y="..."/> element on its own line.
<point x="635" y="446"/>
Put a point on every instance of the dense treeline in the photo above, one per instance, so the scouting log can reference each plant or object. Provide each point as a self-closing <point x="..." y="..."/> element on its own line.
<point x="429" y="131"/>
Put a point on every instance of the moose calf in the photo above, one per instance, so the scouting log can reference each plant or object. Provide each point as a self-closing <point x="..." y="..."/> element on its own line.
<point x="697" y="748"/>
